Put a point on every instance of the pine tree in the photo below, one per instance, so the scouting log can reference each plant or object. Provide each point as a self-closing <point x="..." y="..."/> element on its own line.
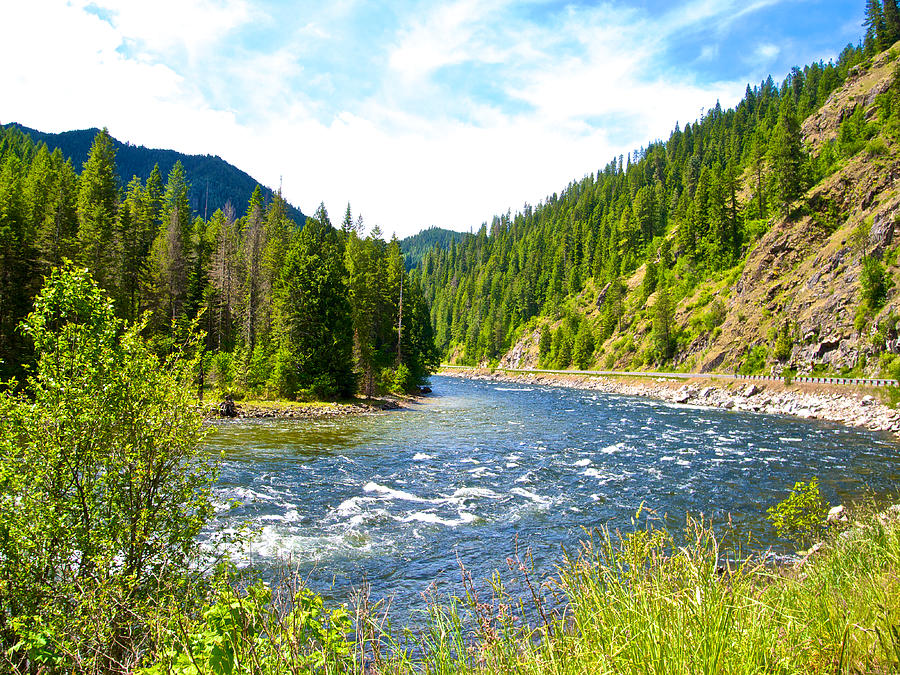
<point x="171" y="253"/>
<point x="315" y="325"/>
<point x="545" y="345"/>
<point x="251" y="256"/>
<point x="15" y="268"/>
<point x="57" y="233"/>
<point x="663" y="328"/>
<point x="98" y="200"/>
<point x="347" y="224"/>
<point x="584" y="346"/>
<point x="787" y="156"/>
<point x="875" y="27"/>
<point x="362" y="267"/>
<point x="223" y="236"/>
<point x="891" y="22"/>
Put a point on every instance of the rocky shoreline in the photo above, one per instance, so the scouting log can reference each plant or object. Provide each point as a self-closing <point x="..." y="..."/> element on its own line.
<point x="301" y="411"/>
<point x="850" y="407"/>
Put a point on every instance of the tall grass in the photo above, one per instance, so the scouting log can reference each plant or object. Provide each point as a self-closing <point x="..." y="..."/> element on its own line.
<point x="643" y="601"/>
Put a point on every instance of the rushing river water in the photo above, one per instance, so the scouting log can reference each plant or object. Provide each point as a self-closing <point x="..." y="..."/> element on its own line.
<point x="398" y="498"/>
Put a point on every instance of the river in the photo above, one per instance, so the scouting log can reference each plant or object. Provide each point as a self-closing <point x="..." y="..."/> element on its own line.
<point x="399" y="498"/>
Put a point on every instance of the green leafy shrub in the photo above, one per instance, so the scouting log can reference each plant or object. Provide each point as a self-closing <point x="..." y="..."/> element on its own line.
<point x="876" y="147"/>
<point x="715" y="315"/>
<point x="755" y="360"/>
<point x="222" y="371"/>
<point x="801" y="516"/>
<point x="103" y="486"/>
<point x="252" y="631"/>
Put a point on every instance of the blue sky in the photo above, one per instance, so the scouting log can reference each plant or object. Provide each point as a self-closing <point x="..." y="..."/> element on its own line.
<point x="417" y="113"/>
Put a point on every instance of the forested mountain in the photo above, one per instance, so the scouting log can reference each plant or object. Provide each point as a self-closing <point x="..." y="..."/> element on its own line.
<point x="707" y="250"/>
<point x="214" y="182"/>
<point x="287" y="310"/>
<point x="416" y="246"/>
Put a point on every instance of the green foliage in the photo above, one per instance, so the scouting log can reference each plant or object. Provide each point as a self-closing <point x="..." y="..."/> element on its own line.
<point x="654" y="600"/>
<point x="103" y="487"/>
<point x="314" y="322"/>
<point x="545" y="345"/>
<point x="801" y="516"/>
<point x="215" y="182"/>
<point x="755" y="360"/>
<point x="663" y="325"/>
<point x="686" y="208"/>
<point x="715" y="315"/>
<point x="149" y="252"/>
<point x="784" y="342"/>
<point x="584" y="346"/>
<point x="874" y="285"/>
<point x="249" y="632"/>
<point x="788" y="158"/>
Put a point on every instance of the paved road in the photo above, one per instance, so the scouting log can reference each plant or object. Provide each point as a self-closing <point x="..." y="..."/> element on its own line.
<point x="854" y="381"/>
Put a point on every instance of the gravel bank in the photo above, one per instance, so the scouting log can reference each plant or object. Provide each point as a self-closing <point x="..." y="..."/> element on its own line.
<point x="847" y="407"/>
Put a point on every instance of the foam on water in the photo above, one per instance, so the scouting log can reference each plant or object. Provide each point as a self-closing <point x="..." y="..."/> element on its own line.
<point x="536" y="498"/>
<point x="434" y="519"/>
<point x="389" y="493"/>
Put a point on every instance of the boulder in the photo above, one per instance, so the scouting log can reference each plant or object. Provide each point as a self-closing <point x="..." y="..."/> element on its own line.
<point x="683" y="396"/>
<point x="227" y="408"/>
<point x="836" y="514"/>
<point x="825" y="346"/>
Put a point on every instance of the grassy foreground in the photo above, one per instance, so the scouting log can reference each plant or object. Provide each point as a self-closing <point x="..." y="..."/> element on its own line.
<point x="625" y="603"/>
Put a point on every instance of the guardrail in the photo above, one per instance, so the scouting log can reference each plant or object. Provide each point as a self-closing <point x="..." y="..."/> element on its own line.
<point x="852" y="381"/>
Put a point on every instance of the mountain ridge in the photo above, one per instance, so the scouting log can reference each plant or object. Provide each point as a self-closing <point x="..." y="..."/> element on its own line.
<point x="214" y="181"/>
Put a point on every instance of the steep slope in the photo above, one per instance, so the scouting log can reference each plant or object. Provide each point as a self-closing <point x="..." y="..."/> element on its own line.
<point x="756" y="239"/>
<point x="801" y="278"/>
<point x="214" y="182"/>
<point x="806" y="270"/>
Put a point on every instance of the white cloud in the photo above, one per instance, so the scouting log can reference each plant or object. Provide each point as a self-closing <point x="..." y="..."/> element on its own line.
<point x="164" y="25"/>
<point x="765" y="52"/>
<point x="412" y="154"/>
<point x="444" y="38"/>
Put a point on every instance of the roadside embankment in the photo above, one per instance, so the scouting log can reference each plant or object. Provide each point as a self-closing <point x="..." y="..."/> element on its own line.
<point x="852" y="406"/>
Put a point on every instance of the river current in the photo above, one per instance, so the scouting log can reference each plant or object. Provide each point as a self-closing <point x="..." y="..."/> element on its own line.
<point x="399" y="499"/>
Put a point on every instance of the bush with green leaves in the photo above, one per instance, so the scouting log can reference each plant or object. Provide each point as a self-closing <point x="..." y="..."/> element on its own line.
<point x="103" y="486"/>
<point x="801" y="517"/>
<point x="256" y="631"/>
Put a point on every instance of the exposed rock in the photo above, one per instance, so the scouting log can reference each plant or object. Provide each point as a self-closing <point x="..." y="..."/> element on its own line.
<point x="683" y="396"/>
<point x="227" y="408"/>
<point x="827" y="345"/>
<point x="602" y="297"/>
<point x="836" y="514"/>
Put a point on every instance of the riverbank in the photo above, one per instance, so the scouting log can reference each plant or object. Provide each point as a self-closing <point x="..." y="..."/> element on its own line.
<point x="856" y="407"/>
<point x="256" y="409"/>
<point x="647" y="600"/>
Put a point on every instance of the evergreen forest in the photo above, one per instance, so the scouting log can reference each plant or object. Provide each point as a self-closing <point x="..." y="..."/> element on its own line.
<point x="288" y="311"/>
<point x="679" y="211"/>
